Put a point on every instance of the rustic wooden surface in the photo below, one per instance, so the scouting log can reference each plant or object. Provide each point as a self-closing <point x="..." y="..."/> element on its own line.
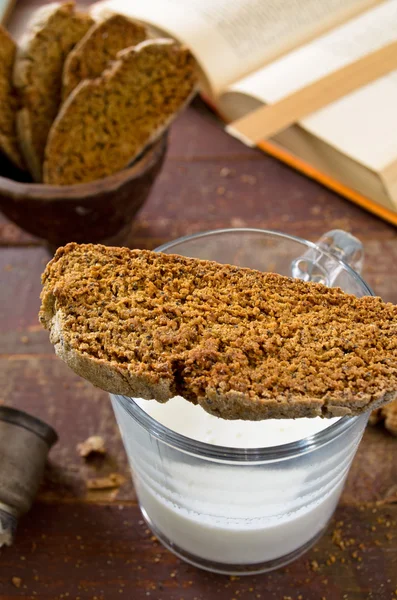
<point x="78" y="543"/>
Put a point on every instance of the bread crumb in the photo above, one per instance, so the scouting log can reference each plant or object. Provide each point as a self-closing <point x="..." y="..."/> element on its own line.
<point x="237" y="222"/>
<point x="314" y="565"/>
<point x="250" y="179"/>
<point x="337" y="539"/>
<point x="114" y="480"/>
<point x="16" y="582"/>
<point x="95" y="444"/>
<point x="316" y="209"/>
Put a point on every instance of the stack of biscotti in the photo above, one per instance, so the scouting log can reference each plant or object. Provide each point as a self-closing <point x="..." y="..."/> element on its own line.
<point x="241" y="343"/>
<point x="9" y="104"/>
<point x="81" y="99"/>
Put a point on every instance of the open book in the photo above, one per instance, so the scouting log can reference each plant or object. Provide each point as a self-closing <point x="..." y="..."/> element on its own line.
<point x="5" y="10"/>
<point x="259" y="52"/>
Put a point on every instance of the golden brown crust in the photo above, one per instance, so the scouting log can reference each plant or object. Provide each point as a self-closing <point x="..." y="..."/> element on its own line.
<point x="90" y="57"/>
<point x="241" y="343"/>
<point x="8" y="101"/>
<point x="52" y="33"/>
<point x="107" y="122"/>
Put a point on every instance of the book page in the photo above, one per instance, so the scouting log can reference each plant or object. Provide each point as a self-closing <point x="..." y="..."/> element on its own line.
<point x="362" y="124"/>
<point x="5" y="10"/>
<point x="231" y="38"/>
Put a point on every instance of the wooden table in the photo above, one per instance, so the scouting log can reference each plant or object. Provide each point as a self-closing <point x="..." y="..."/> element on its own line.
<point x="83" y="544"/>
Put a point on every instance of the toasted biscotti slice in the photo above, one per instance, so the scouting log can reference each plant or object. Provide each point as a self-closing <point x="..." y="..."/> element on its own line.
<point x="97" y="48"/>
<point x="54" y="30"/>
<point x="241" y="343"/>
<point x="8" y="101"/>
<point x="107" y="122"/>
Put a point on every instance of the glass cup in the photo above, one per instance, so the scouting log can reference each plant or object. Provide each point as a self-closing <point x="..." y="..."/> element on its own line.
<point x="246" y="510"/>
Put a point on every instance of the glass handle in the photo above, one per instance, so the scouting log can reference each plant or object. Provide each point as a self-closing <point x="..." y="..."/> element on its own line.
<point x="318" y="267"/>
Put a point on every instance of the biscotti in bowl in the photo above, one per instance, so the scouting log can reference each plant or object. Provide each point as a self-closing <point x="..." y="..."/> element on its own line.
<point x="85" y="106"/>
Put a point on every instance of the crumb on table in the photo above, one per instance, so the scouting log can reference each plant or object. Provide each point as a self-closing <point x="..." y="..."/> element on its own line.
<point x="95" y="444"/>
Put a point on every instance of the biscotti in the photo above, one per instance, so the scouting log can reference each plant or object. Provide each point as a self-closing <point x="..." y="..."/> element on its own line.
<point x="241" y="343"/>
<point x="90" y="57"/>
<point x="107" y="122"/>
<point x="52" y="33"/>
<point x="8" y="101"/>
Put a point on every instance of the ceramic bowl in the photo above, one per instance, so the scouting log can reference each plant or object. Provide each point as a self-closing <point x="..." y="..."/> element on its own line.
<point x="100" y="211"/>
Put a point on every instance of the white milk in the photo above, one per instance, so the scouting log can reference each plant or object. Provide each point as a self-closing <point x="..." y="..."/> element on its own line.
<point x="237" y="514"/>
<point x="193" y="422"/>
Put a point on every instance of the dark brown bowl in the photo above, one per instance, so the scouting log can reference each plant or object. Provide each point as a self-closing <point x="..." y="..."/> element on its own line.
<point x="100" y="211"/>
